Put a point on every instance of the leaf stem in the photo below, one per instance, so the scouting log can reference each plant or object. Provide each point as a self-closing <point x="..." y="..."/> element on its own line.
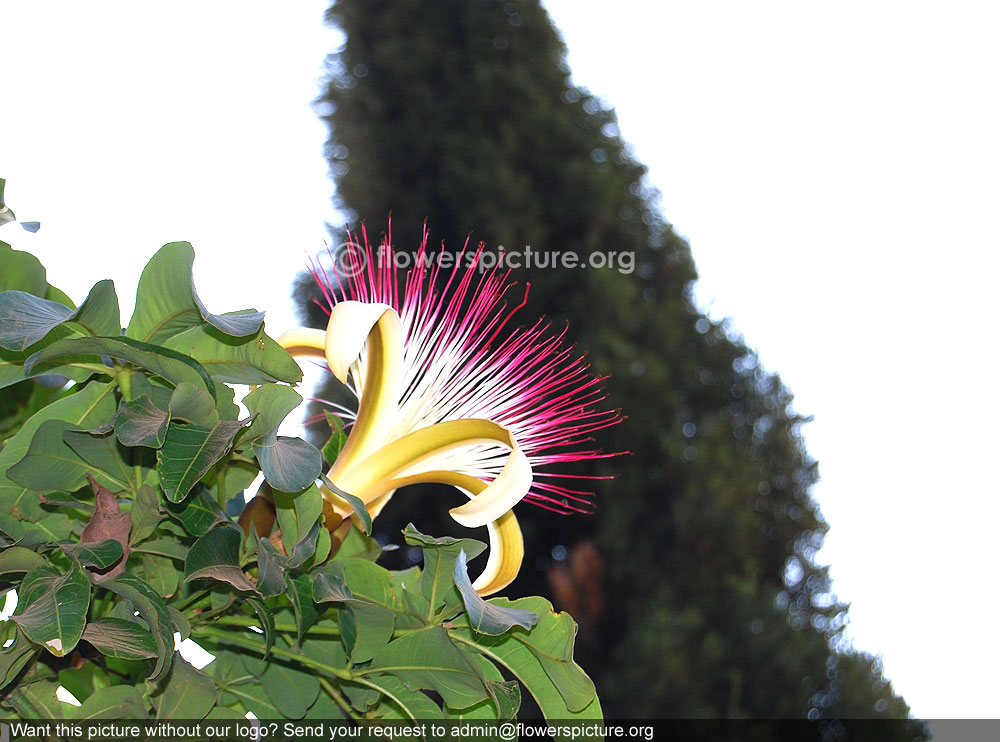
<point x="339" y="699"/>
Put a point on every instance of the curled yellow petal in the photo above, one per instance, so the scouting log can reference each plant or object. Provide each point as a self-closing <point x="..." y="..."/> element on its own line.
<point x="304" y="341"/>
<point x="403" y="457"/>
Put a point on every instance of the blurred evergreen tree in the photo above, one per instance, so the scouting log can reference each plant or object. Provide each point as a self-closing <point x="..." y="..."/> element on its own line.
<point x="695" y="583"/>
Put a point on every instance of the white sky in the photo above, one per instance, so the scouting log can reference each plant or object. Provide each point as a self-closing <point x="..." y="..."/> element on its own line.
<point x="834" y="167"/>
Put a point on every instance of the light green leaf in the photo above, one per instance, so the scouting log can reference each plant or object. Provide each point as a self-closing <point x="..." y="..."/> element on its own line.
<point x="21" y="270"/>
<point x="440" y="555"/>
<point x="51" y="464"/>
<point x="428" y="660"/>
<point x="488" y="618"/>
<point x="117" y="637"/>
<point x="413" y="704"/>
<point x="216" y="556"/>
<point x="145" y="513"/>
<point x="269" y="404"/>
<point x="187" y="694"/>
<point x="90" y="407"/>
<point x="292" y="690"/>
<point x="189" y="452"/>
<point x="16" y="559"/>
<point x="335" y="443"/>
<point x="161" y="575"/>
<point x="366" y="629"/>
<point x="52" y="607"/>
<point x="194" y="405"/>
<point x="256" y="359"/>
<point x="113" y="702"/>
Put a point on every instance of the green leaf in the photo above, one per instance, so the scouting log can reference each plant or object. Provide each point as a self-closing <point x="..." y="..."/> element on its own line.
<point x="297" y="512"/>
<point x="163" y="362"/>
<point x="288" y="464"/>
<point x="145" y="513"/>
<point x="193" y="404"/>
<point x="413" y="704"/>
<point x="16" y="559"/>
<point x="440" y="555"/>
<point x="246" y="360"/>
<point x="328" y="586"/>
<point x="189" y="452"/>
<point x="271" y="567"/>
<point x="166" y="302"/>
<point x="142" y="423"/>
<point x="26" y="319"/>
<point x="269" y="404"/>
<point x="53" y="461"/>
<point x="52" y="607"/>
<point x="335" y="443"/>
<point x="21" y="270"/>
<point x="300" y="594"/>
<point x="366" y="629"/>
<point x="266" y="622"/>
<point x="90" y="407"/>
<point x="14" y="658"/>
<point x="117" y="637"/>
<point x="153" y="611"/>
<point x="100" y="555"/>
<point x="356" y="503"/>
<point x="428" y="660"/>
<point x="292" y="690"/>
<point x="187" y="694"/>
<point x="216" y="556"/>
<point x="198" y="513"/>
<point x="113" y="702"/>
<point x="37" y="701"/>
<point x="161" y="575"/>
<point x="488" y="618"/>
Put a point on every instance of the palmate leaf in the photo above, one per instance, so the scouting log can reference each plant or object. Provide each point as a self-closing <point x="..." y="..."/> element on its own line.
<point x="90" y="407"/>
<point x="188" y="452"/>
<point x="52" y="607"/>
<point x="26" y="319"/>
<point x="216" y="556"/>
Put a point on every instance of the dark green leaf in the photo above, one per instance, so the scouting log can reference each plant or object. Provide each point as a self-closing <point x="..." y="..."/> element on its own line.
<point x="187" y="694"/>
<point x="117" y="637"/>
<point x="105" y="455"/>
<point x="113" y="702"/>
<point x="189" y="452"/>
<point x="52" y="607"/>
<point x="288" y="464"/>
<point x="266" y="622"/>
<point x="328" y="586"/>
<point x="300" y="594"/>
<point x="153" y="611"/>
<point x="297" y="513"/>
<point x="198" y="513"/>
<point x="37" y="701"/>
<point x="248" y="360"/>
<point x="488" y="618"/>
<point x="100" y="555"/>
<point x="142" y="423"/>
<point x="335" y="443"/>
<point x="428" y="660"/>
<point x="145" y="513"/>
<point x="271" y="567"/>
<point x="14" y="658"/>
<point x="163" y="362"/>
<point x="216" y="556"/>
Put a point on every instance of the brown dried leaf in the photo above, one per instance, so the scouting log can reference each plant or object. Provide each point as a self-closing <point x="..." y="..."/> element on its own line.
<point x="107" y="522"/>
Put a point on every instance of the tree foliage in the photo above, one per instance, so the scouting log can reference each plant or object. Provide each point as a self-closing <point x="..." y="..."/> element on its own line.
<point x="696" y="583"/>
